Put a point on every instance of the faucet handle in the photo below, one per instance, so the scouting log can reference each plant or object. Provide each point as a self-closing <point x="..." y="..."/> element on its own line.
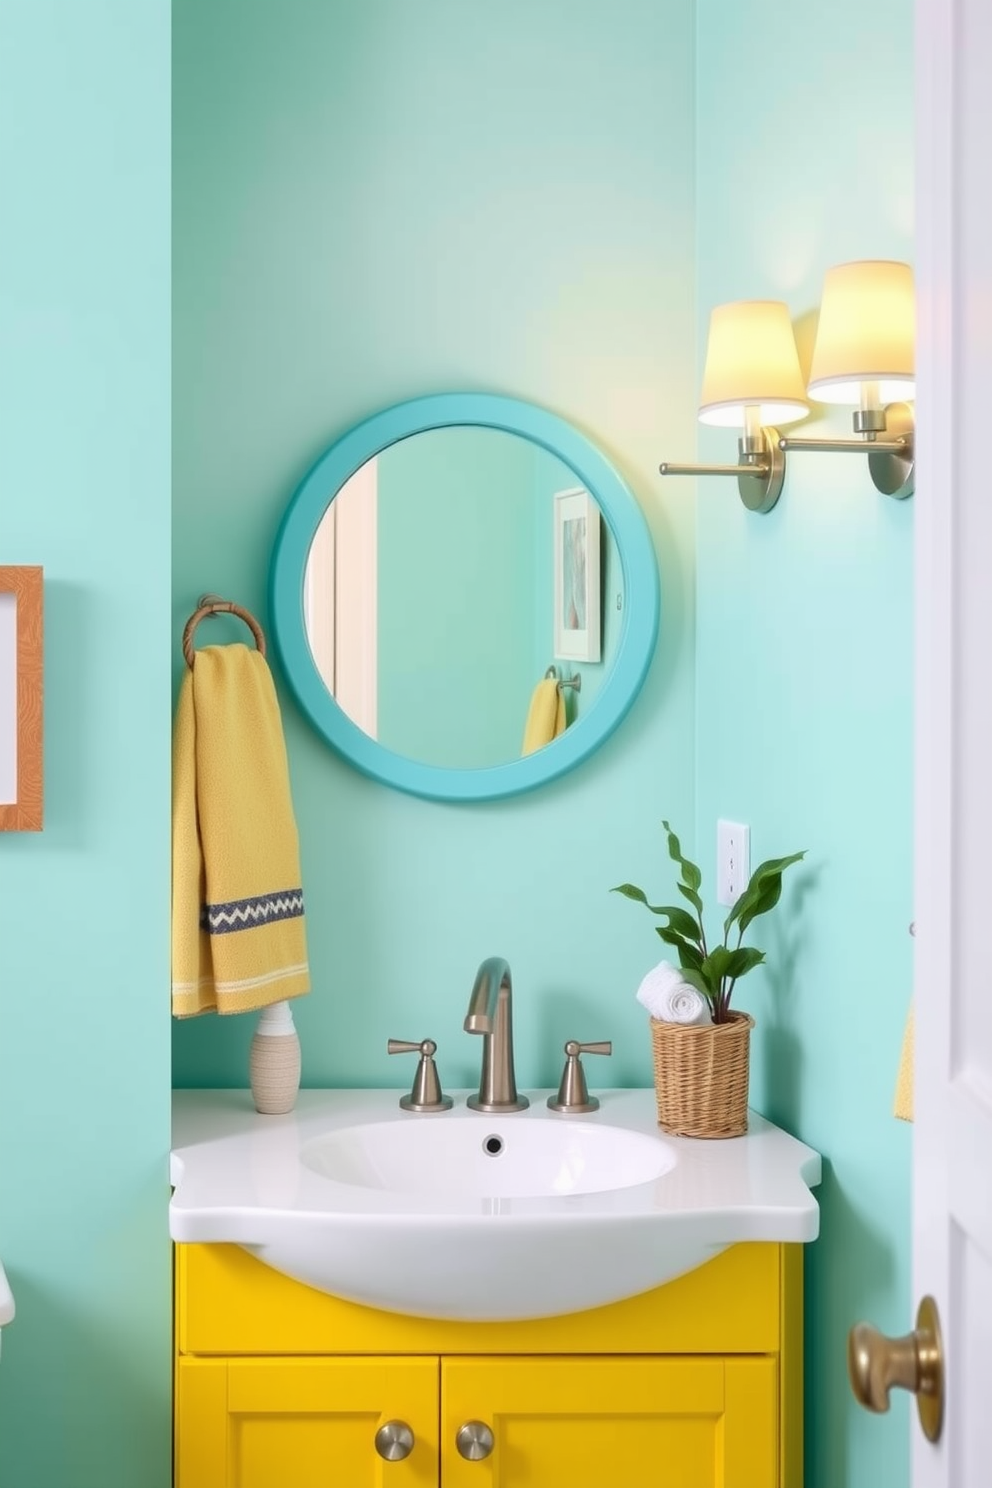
<point x="573" y="1092"/>
<point x="426" y="1093"/>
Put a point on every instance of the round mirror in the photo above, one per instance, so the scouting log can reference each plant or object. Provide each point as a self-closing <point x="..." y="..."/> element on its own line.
<point x="464" y="596"/>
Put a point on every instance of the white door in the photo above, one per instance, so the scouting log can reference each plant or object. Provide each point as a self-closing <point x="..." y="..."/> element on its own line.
<point x="952" y="1148"/>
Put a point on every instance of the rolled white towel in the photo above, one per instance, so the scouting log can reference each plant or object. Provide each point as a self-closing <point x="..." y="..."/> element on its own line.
<point x="669" y="999"/>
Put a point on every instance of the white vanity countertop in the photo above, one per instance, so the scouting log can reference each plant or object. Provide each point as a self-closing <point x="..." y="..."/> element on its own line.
<point x="6" y="1299"/>
<point x="558" y="1213"/>
<point x="230" y="1166"/>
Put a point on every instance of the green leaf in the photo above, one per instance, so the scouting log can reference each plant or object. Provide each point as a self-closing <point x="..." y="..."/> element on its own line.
<point x="680" y="920"/>
<point x="673" y="938"/>
<point x="777" y="865"/>
<point x="690" y="873"/>
<point x="743" y="960"/>
<point x="692" y="897"/>
<point x="697" y="979"/>
<point x="690" y="957"/>
<point x="762" y="893"/>
<point x="766" y="900"/>
<point x="715" y="966"/>
<point x="772" y="868"/>
<point x="756" y="899"/>
<point x="631" y="891"/>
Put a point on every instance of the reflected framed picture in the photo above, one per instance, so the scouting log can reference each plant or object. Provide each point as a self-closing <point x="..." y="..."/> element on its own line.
<point x="577" y="580"/>
<point x="20" y="699"/>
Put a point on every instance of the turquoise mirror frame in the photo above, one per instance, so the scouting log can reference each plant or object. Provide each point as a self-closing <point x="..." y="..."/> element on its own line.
<point x="639" y="624"/>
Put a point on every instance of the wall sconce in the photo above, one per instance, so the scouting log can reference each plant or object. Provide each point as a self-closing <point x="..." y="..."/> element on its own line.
<point x="864" y="355"/>
<point x="752" y="381"/>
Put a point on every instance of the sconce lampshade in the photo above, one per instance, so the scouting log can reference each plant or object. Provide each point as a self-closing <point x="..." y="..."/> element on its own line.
<point x="866" y="333"/>
<point x="751" y="361"/>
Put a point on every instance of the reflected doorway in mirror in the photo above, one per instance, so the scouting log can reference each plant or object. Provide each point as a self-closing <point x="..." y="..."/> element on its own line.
<point x="577" y="589"/>
<point x="341" y="598"/>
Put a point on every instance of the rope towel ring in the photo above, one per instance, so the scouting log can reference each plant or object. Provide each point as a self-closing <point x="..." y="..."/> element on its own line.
<point x="212" y="604"/>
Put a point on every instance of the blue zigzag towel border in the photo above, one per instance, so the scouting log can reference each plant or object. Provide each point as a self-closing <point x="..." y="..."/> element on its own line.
<point x="245" y="914"/>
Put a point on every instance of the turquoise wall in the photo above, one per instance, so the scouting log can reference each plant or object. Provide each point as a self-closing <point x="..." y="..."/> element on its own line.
<point x="378" y="201"/>
<point x="371" y="204"/>
<point x="85" y="1380"/>
<point x="804" y="664"/>
<point x="458" y="596"/>
<point x="289" y="329"/>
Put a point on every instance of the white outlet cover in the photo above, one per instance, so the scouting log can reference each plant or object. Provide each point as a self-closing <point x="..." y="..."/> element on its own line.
<point x="733" y="861"/>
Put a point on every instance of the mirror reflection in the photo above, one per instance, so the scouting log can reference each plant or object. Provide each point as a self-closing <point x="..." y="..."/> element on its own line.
<point x="445" y="579"/>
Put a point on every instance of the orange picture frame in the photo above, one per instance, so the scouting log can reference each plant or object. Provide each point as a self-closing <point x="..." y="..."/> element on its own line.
<point x="21" y="715"/>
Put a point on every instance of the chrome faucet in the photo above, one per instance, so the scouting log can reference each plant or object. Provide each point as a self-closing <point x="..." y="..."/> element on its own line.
<point x="490" y="1013"/>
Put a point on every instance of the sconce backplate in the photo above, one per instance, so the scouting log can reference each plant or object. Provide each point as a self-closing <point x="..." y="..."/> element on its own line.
<point x="895" y="475"/>
<point x="760" y="492"/>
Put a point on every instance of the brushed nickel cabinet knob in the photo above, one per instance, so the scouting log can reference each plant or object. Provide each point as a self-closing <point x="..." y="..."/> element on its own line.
<point x="394" y="1441"/>
<point x="474" y="1441"/>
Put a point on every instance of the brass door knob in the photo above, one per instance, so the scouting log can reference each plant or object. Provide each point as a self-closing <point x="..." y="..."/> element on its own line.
<point x="877" y="1364"/>
<point x="394" y="1441"/>
<point x="474" y="1441"/>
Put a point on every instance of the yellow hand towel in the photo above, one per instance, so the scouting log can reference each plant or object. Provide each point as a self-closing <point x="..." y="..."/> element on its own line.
<point x="238" y="934"/>
<point x="903" y="1107"/>
<point x="545" y="717"/>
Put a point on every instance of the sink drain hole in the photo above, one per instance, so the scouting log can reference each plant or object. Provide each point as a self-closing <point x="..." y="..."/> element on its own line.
<point x="493" y="1146"/>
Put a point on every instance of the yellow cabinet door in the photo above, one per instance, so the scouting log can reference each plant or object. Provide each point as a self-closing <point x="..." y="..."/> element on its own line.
<point x="613" y="1422"/>
<point x="303" y="1423"/>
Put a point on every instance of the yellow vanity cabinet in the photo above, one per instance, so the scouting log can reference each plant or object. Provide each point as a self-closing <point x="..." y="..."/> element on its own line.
<point x="608" y="1422"/>
<point x="303" y="1423"/>
<point x="697" y="1384"/>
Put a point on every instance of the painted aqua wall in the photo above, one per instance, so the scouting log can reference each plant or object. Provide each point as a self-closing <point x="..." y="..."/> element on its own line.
<point x="303" y="138"/>
<point x="378" y="201"/>
<point x="458" y="595"/>
<point x="305" y="135"/>
<point x="85" y="1379"/>
<point x="804" y="664"/>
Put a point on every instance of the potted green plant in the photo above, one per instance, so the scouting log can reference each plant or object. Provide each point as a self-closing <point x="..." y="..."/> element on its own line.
<point x="701" y="1071"/>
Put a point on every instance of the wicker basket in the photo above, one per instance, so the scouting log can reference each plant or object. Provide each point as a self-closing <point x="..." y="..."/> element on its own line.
<point x="700" y="1076"/>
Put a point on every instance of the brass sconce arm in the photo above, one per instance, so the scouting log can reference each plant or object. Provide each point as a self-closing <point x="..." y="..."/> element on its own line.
<point x="760" y="471"/>
<point x="847" y="446"/>
<point x="759" y="467"/>
<point x="890" y="459"/>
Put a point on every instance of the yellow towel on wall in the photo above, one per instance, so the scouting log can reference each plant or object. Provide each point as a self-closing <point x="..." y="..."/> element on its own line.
<point x="545" y="717"/>
<point x="238" y="934"/>
<point x="903" y="1107"/>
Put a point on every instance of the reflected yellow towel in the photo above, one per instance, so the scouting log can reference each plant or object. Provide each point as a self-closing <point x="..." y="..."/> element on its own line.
<point x="545" y="717"/>
<point x="238" y="935"/>
<point x="903" y="1107"/>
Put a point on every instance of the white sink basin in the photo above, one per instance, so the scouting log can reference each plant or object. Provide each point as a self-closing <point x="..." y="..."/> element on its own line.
<point x="518" y="1157"/>
<point x="474" y="1217"/>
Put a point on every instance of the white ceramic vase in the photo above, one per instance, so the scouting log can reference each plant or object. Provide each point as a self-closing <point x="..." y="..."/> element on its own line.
<point x="274" y="1061"/>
